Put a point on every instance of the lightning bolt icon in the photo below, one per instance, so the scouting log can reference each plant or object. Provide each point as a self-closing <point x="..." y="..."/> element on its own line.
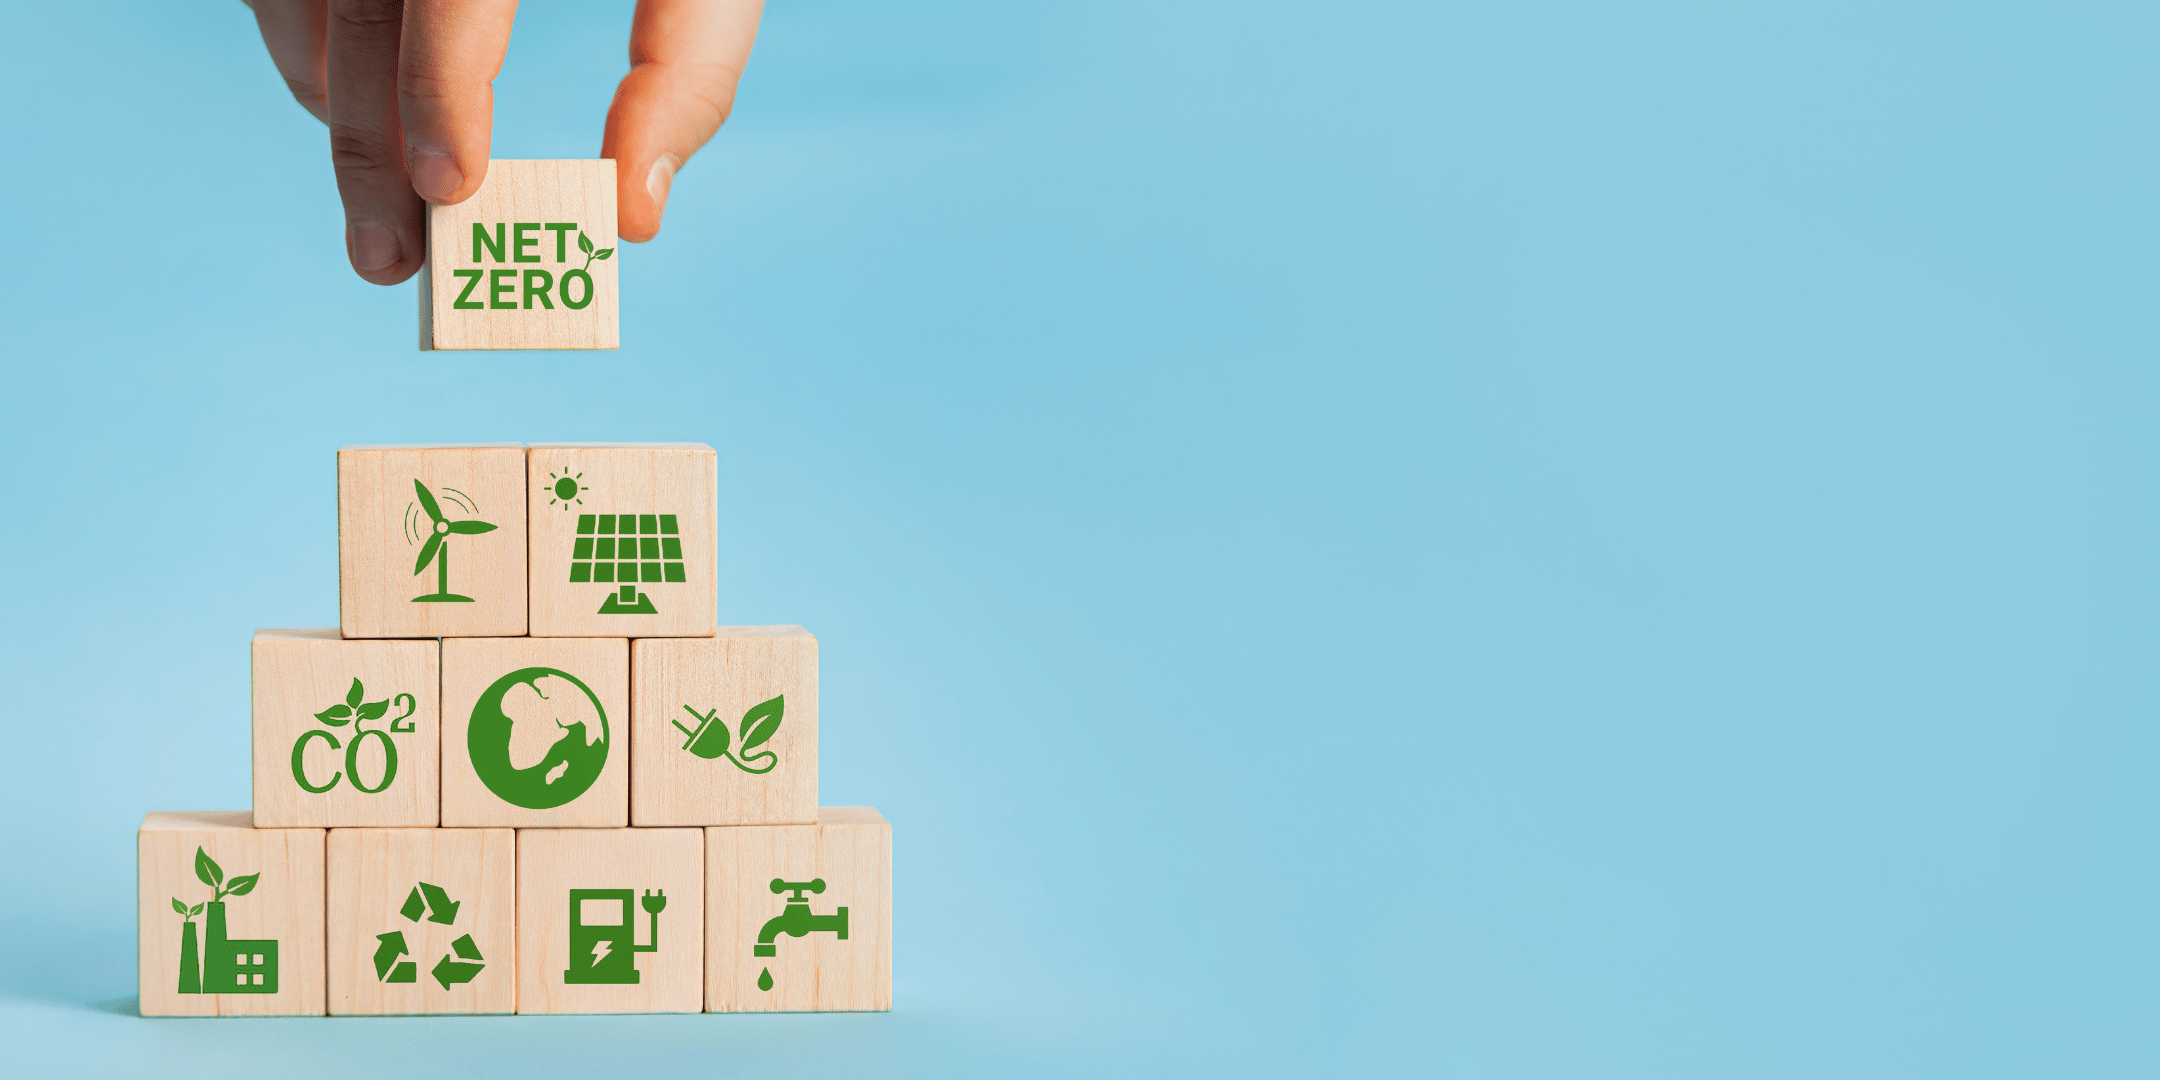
<point x="600" y="951"/>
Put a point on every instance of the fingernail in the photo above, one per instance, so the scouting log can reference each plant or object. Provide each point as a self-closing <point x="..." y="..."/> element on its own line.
<point x="371" y="246"/>
<point x="434" y="175"/>
<point x="661" y="177"/>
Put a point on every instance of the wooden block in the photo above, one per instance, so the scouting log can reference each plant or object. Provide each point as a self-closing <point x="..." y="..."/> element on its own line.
<point x="534" y="732"/>
<point x="724" y="729"/>
<point x="422" y="921"/>
<point x="798" y="918"/>
<point x="394" y="578"/>
<point x="624" y="539"/>
<point x="527" y="263"/>
<point x="587" y="897"/>
<point x="230" y="917"/>
<point x="347" y="731"/>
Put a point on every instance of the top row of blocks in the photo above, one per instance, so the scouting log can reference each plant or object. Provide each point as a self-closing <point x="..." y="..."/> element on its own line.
<point x="547" y="540"/>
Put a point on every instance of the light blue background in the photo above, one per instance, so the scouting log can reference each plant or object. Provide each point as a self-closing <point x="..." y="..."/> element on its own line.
<point x="1537" y="539"/>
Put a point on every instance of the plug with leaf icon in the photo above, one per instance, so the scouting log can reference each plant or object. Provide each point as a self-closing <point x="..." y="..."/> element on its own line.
<point x="710" y="738"/>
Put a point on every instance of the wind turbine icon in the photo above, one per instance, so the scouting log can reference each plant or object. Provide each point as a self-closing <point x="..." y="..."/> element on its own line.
<point x="438" y="550"/>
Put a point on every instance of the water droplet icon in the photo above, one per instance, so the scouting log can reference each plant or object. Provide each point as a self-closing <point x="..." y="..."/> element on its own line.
<point x="764" y="979"/>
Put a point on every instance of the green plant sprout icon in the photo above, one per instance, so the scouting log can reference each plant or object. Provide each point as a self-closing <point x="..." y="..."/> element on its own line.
<point x="449" y="971"/>
<point x="353" y="710"/>
<point x="603" y="934"/>
<point x="795" y="920"/>
<point x="586" y="246"/>
<point x="710" y="739"/>
<point x="226" y="966"/>
<point x="436" y="549"/>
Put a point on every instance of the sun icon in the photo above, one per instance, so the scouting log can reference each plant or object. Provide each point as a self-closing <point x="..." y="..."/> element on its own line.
<point x="564" y="489"/>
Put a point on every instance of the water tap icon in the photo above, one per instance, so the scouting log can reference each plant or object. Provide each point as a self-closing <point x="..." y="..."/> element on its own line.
<point x="795" y="919"/>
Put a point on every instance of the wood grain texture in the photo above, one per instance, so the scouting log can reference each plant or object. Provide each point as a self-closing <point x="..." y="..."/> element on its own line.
<point x="723" y="677"/>
<point x="648" y="480"/>
<point x="471" y="665"/>
<point x="373" y="874"/>
<point x="383" y="530"/>
<point x="519" y="289"/>
<point x="284" y="906"/>
<point x="850" y="849"/>
<point x="300" y="673"/>
<point x="667" y="862"/>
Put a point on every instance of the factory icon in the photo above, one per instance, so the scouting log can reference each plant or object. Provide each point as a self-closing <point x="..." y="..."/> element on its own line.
<point x="224" y="965"/>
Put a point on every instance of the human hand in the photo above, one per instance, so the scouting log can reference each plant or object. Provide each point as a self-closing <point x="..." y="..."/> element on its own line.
<point x="407" y="89"/>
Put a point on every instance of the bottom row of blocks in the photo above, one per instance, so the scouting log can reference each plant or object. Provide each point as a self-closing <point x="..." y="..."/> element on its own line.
<point x="240" y="921"/>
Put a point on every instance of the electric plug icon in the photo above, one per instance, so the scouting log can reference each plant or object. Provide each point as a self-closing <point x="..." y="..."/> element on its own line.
<point x="654" y="901"/>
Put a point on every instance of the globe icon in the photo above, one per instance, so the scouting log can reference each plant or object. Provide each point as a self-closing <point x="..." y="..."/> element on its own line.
<point x="537" y="738"/>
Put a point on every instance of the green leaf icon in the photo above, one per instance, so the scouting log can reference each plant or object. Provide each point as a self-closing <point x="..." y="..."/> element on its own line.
<point x="353" y="696"/>
<point x="761" y="721"/>
<point x="241" y="886"/>
<point x="206" y="868"/>
<point x="335" y="715"/>
<point x="603" y="253"/>
<point x="196" y="910"/>
<point x="373" y="710"/>
<point x="584" y="244"/>
<point x="179" y="907"/>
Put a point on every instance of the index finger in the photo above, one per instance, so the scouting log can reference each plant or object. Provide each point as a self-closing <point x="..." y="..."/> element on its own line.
<point x="294" y="31"/>
<point x="448" y="57"/>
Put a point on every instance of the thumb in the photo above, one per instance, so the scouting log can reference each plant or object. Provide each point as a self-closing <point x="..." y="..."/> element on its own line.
<point x="686" y="57"/>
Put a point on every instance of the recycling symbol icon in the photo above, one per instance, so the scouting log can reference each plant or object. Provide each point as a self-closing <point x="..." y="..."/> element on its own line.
<point x="451" y="970"/>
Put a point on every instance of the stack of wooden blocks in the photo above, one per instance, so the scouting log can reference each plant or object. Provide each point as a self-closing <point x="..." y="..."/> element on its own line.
<point x="526" y="773"/>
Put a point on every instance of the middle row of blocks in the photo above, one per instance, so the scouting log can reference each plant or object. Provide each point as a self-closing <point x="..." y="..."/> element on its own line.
<point x="535" y="732"/>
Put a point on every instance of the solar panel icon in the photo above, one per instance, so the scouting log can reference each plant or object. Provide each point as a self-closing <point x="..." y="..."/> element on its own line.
<point x="627" y="550"/>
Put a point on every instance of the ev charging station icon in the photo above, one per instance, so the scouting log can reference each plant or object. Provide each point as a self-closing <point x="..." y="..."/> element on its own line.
<point x="603" y="936"/>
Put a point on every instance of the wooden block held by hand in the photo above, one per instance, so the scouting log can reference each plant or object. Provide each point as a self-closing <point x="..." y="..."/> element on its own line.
<point x="536" y="733"/>
<point x="625" y="539"/>
<point x="527" y="263"/>
<point x="346" y="731"/>
<point x="610" y="920"/>
<point x="798" y="918"/>
<point x="724" y="730"/>
<point x="431" y="541"/>
<point x="422" y="921"/>
<point x="230" y="916"/>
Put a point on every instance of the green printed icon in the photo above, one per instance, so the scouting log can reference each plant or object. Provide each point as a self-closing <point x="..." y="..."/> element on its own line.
<point x="389" y="947"/>
<point x="438" y="530"/>
<point x="603" y="934"/>
<point x="564" y="489"/>
<point x="710" y="738"/>
<point x="515" y="288"/>
<point x="627" y="550"/>
<point x="537" y="738"/>
<point x="795" y="920"/>
<point x="586" y="246"/>
<point x="225" y="965"/>
<point x="460" y="965"/>
<point x="354" y="710"/>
